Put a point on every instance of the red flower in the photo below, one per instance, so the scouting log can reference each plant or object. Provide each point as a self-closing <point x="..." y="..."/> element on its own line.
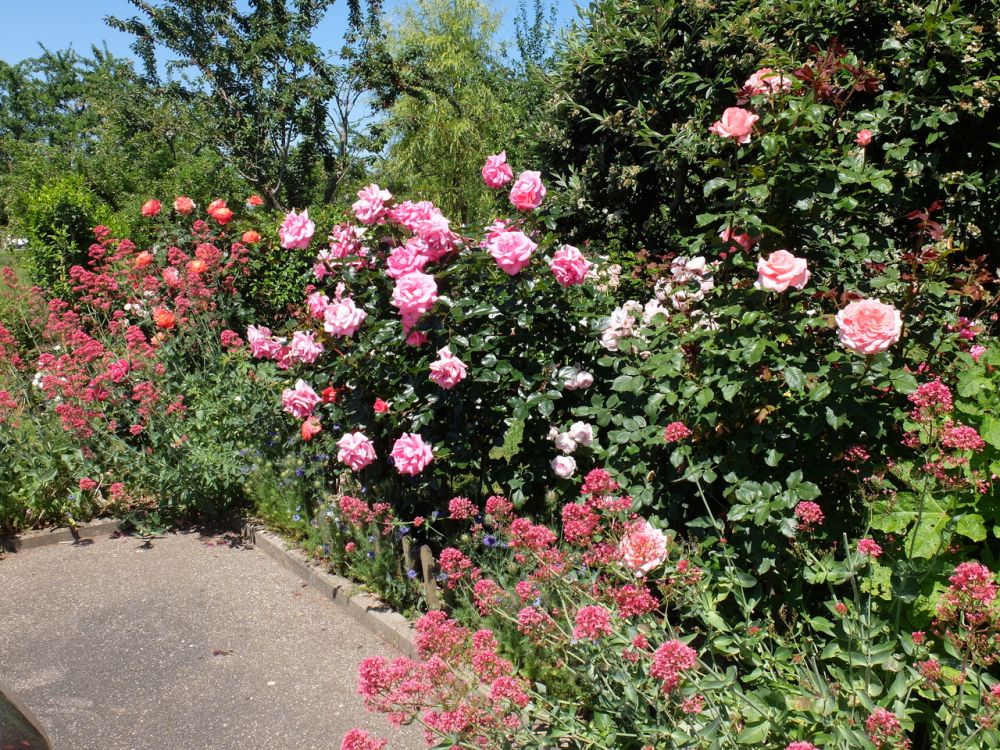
<point x="311" y="428"/>
<point x="255" y="200"/>
<point x="330" y="395"/>
<point x="381" y="407"/>
<point x="143" y="259"/>
<point x="164" y="319"/>
<point x="150" y="208"/>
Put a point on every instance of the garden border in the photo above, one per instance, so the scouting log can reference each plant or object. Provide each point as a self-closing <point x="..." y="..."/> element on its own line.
<point x="365" y="609"/>
<point x="83" y="533"/>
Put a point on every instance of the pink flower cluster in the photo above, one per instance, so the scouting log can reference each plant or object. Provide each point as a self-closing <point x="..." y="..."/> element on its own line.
<point x="809" y="516"/>
<point x="591" y="623"/>
<point x="670" y="663"/>
<point x="675" y="432"/>
<point x="884" y="729"/>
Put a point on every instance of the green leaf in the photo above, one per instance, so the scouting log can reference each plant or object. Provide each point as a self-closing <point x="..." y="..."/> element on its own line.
<point x="971" y="526"/>
<point x="795" y="378"/>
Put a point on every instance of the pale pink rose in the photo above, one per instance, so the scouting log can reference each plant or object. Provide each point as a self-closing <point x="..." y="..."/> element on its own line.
<point x="410" y="454"/>
<point x="448" y="370"/>
<point x="864" y="137"/>
<point x="183" y="205"/>
<point x="766" y="81"/>
<point x="408" y="214"/>
<point x="583" y="380"/>
<point x="976" y="352"/>
<point x="370" y="207"/>
<point x="643" y="548"/>
<point x="355" y="450"/>
<point x="736" y="123"/>
<point x="496" y="171"/>
<point x="867" y="326"/>
<point x="304" y="347"/>
<point x="262" y="344"/>
<point x="582" y="433"/>
<point x="563" y="466"/>
<point x="569" y="266"/>
<point x="316" y="303"/>
<point x="564" y="442"/>
<point x="343" y="317"/>
<point x="414" y="294"/>
<point x="300" y="400"/>
<point x="406" y="258"/>
<point x="780" y="270"/>
<point x="528" y="191"/>
<point x="512" y="251"/>
<point x="436" y="233"/>
<point x="296" y="231"/>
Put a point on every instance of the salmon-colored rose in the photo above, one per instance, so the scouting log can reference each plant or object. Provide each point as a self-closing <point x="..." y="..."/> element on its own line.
<point x="736" y="123"/>
<point x="867" y="326"/>
<point x="164" y="319"/>
<point x="780" y="270"/>
<point x="183" y="205"/>
<point x="150" y="208"/>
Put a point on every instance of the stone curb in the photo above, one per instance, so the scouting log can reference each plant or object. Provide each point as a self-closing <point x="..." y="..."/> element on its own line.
<point x="85" y="532"/>
<point x="365" y="609"/>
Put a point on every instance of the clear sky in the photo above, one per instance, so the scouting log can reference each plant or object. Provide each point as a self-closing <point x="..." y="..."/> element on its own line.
<point x="59" y="24"/>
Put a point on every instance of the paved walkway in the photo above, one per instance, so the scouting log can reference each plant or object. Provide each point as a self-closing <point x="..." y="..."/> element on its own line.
<point x="193" y="644"/>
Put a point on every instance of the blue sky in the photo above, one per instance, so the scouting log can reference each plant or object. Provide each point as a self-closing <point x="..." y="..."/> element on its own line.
<point x="59" y="24"/>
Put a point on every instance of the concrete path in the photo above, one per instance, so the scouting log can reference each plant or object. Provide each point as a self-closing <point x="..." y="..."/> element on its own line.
<point x="193" y="644"/>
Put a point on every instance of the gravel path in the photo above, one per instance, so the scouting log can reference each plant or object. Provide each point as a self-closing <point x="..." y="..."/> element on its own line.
<point x="194" y="643"/>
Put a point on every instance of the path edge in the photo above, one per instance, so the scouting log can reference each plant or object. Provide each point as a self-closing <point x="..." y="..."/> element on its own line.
<point x="84" y="531"/>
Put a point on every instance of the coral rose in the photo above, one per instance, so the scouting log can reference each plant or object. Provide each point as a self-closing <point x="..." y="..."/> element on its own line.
<point x="643" y="548"/>
<point x="448" y="370"/>
<point x="512" y="251"/>
<point x="410" y="454"/>
<point x="310" y="428"/>
<point x="867" y="326"/>
<point x="528" y="191"/>
<point x="150" y="208"/>
<point x="143" y="259"/>
<point x="296" y="231"/>
<point x="780" y="270"/>
<point x="219" y="211"/>
<point x="163" y="318"/>
<point x="864" y="137"/>
<point x="569" y="266"/>
<point x="251" y="237"/>
<point x="183" y="205"/>
<point x="355" y="450"/>
<point x="736" y="123"/>
<point x="496" y="171"/>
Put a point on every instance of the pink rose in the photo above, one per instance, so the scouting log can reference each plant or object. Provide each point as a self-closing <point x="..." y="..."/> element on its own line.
<point x="414" y="294"/>
<point x="406" y="258"/>
<point x="528" y="191"/>
<point x="569" y="266"/>
<point x="868" y="326"/>
<point x="310" y="428"/>
<point x="976" y="352"/>
<point x="512" y="251"/>
<point x="766" y="81"/>
<point x="643" y="548"/>
<point x="304" y="347"/>
<point x="416" y="338"/>
<point x="781" y="270"/>
<point x="355" y="450"/>
<point x="744" y="240"/>
<point x="342" y="317"/>
<point x="448" y="370"/>
<point x="436" y="233"/>
<point x="171" y="277"/>
<point x="300" y="400"/>
<point x="345" y="242"/>
<point x="262" y="344"/>
<point x="150" y="208"/>
<point x="296" y="231"/>
<point x="370" y="207"/>
<point x="496" y="171"/>
<point x="316" y="303"/>
<point x="410" y="454"/>
<point x="736" y="123"/>
<point x="408" y="214"/>
<point x="863" y="138"/>
<point x="563" y="466"/>
<point x="183" y="205"/>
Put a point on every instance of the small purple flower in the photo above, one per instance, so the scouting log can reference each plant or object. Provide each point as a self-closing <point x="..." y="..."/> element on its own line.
<point x="411" y="574"/>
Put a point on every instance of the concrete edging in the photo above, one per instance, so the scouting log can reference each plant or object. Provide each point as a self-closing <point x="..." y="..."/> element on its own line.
<point x="45" y="537"/>
<point x="365" y="609"/>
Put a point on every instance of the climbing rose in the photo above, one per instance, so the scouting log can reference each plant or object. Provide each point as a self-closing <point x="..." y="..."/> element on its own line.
<point x="582" y="433"/>
<point x="414" y="294"/>
<point x="569" y="266"/>
<point x="300" y="400"/>
<point x="255" y="200"/>
<point x="219" y="211"/>
<point x="183" y="205"/>
<point x="411" y="454"/>
<point x="448" y="370"/>
<point x="355" y="450"/>
<point x="643" y="548"/>
<point x="528" y="191"/>
<point x="250" y="237"/>
<point x="867" y="326"/>
<point x="496" y="171"/>
<point x="863" y="138"/>
<point x="563" y="466"/>
<point x="407" y="258"/>
<point x="150" y="208"/>
<point x="342" y="317"/>
<point x="736" y="123"/>
<point x="370" y="207"/>
<point x="296" y="231"/>
<point x="512" y="251"/>
<point x="781" y="270"/>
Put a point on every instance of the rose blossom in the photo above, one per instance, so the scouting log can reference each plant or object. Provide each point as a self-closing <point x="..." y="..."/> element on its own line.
<point x="296" y="231"/>
<point x="496" y="171"/>
<point x="219" y="211"/>
<point x="564" y="442"/>
<point x="742" y="239"/>
<point x="569" y="266"/>
<point x="370" y="206"/>
<point x="766" y="81"/>
<point x="448" y="370"/>
<point x="304" y="347"/>
<point x="864" y="137"/>
<point x="262" y="344"/>
<point x="736" y="123"/>
<point x="563" y="466"/>
<point x="976" y="352"/>
<point x="183" y="205"/>
<point x="380" y="406"/>
<point x="171" y="277"/>
<point x="310" y="428"/>
<point x="528" y="191"/>
<point x="781" y="270"/>
<point x="867" y="326"/>
<point x="163" y="318"/>
<point x="342" y="317"/>
<point x="143" y="259"/>
<point x="582" y="433"/>
<point x="512" y="251"/>
<point x="250" y="237"/>
<point x="355" y="450"/>
<point x="643" y="548"/>
<point x="300" y="400"/>
<point x="411" y="454"/>
<point x="150" y="208"/>
<point x="414" y="294"/>
<point x="406" y="258"/>
<point x="316" y="303"/>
